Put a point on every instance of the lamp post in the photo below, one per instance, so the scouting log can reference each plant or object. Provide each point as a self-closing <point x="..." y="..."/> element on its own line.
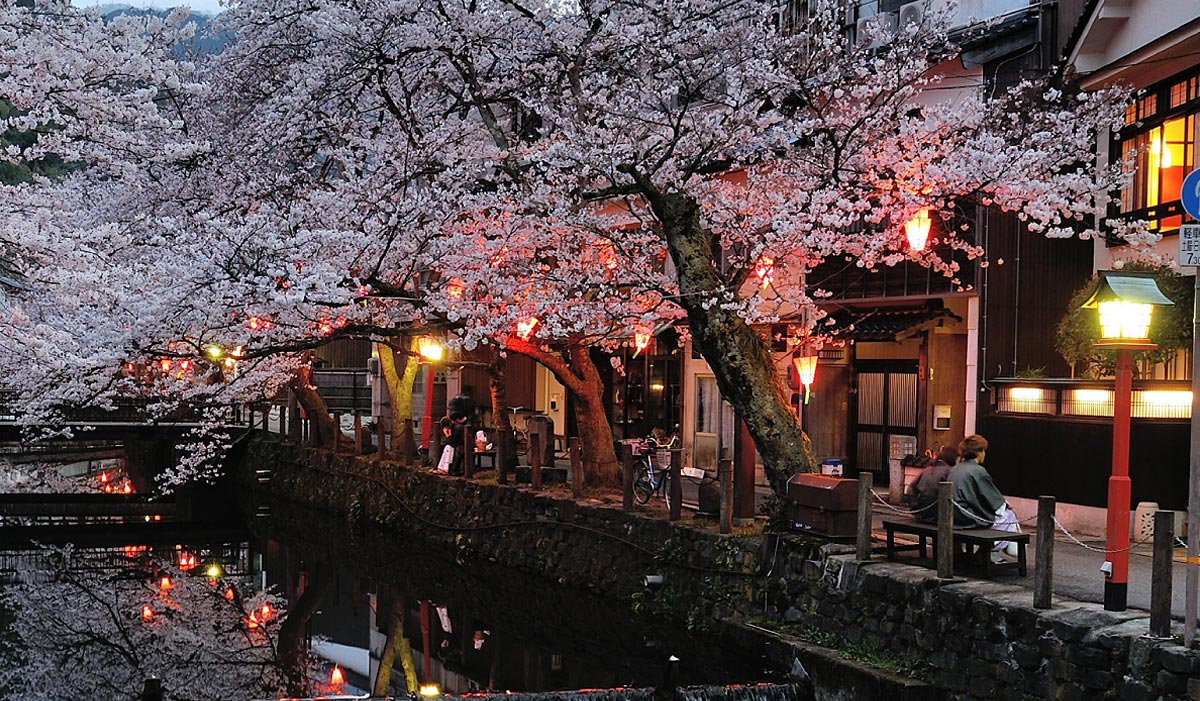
<point x="1125" y="301"/>
<point x="429" y="349"/>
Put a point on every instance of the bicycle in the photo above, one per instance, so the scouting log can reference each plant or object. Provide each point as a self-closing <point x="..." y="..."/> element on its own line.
<point x="651" y="477"/>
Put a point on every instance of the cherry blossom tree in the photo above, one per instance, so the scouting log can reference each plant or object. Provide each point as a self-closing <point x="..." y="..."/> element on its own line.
<point x="604" y="167"/>
<point x="87" y="632"/>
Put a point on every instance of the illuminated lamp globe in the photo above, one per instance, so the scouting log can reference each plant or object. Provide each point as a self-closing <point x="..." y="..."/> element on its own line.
<point x="917" y="230"/>
<point x="429" y="348"/>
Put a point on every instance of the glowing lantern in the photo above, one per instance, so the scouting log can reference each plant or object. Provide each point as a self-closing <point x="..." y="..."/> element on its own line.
<point x="607" y="256"/>
<point x="455" y="288"/>
<point x="128" y="488"/>
<point x="764" y="270"/>
<point x="429" y="348"/>
<point x="184" y="365"/>
<point x="335" y="677"/>
<point x="252" y="620"/>
<point x="229" y="593"/>
<point x="806" y="370"/>
<point x="525" y="328"/>
<point x="165" y="584"/>
<point x="108" y="489"/>
<point x="165" y="364"/>
<point x="213" y="571"/>
<point x="147" y="612"/>
<point x="429" y="691"/>
<point x="324" y="327"/>
<point x="641" y="341"/>
<point x="266" y="611"/>
<point x="253" y="323"/>
<point x="214" y="351"/>
<point x="1126" y="303"/>
<point x="187" y="561"/>
<point x="104" y="478"/>
<point x="917" y="230"/>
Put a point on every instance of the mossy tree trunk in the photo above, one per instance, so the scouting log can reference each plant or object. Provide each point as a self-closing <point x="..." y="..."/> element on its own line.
<point x="292" y="652"/>
<point x="506" y="449"/>
<point x="397" y="646"/>
<point x="739" y="357"/>
<point x="325" y="434"/>
<point x="400" y="379"/>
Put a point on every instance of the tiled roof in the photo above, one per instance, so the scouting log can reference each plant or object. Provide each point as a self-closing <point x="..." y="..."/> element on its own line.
<point x="885" y="324"/>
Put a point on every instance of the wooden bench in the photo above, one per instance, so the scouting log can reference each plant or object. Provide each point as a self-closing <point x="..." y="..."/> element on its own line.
<point x="977" y="542"/>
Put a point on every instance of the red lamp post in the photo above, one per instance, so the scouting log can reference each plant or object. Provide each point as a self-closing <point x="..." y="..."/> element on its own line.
<point x="429" y="349"/>
<point x="1125" y="301"/>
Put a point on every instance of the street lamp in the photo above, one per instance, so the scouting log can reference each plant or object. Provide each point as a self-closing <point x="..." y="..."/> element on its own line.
<point x="916" y="230"/>
<point x="1125" y="301"/>
<point x="429" y="349"/>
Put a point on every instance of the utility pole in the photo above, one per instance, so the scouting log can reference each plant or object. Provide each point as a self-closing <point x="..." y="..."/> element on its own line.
<point x="1189" y="256"/>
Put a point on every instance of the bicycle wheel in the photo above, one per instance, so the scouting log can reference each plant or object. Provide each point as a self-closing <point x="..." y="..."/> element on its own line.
<point x="642" y="487"/>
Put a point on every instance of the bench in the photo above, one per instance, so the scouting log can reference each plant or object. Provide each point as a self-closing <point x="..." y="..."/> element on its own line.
<point x="978" y="543"/>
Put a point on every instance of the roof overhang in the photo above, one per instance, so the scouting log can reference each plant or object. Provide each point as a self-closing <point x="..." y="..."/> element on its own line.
<point x="1155" y="59"/>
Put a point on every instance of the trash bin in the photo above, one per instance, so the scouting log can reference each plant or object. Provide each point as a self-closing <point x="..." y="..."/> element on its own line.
<point x="822" y="504"/>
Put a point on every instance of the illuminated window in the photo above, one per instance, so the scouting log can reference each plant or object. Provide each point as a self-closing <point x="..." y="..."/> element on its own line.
<point x="1161" y="157"/>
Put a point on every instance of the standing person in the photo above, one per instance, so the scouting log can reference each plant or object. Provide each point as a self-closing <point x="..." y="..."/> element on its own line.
<point x="922" y="495"/>
<point x="463" y="404"/>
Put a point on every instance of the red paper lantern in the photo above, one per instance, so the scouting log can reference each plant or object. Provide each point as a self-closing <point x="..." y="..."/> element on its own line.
<point x="917" y="230"/>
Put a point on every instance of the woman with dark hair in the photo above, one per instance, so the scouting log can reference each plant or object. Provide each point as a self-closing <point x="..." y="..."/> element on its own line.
<point x="922" y="494"/>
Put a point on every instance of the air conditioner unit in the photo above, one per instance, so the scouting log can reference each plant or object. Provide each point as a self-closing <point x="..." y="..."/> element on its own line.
<point x="912" y="13"/>
<point x="886" y="30"/>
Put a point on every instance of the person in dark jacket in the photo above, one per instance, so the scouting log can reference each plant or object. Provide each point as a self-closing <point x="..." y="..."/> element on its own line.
<point x="922" y="495"/>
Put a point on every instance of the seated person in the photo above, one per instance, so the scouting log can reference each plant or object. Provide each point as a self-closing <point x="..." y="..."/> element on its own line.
<point x="978" y="503"/>
<point x="922" y="495"/>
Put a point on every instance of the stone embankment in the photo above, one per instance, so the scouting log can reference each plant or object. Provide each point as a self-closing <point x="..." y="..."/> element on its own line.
<point x="783" y="595"/>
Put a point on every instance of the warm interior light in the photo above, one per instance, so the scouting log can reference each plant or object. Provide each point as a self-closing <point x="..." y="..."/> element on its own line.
<point x="525" y="328"/>
<point x="430" y="690"/>
<point x="641" y="340"/>
<point x="1125" y="320"/>
<point x="917" y="230"/>
<point x="1171" y="398"/>
<point x="1091" y="395"/>
<point x="657" y="386"/>
<point x="1027" y="394"/>
<point x="335" y="677"/>
<point x="429" y="348"/>
<point x="764" y="270"/>
<point x="147" y="612"/>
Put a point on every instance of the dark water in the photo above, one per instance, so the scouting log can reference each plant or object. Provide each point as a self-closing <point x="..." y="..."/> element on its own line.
<point x="487" y="627"/>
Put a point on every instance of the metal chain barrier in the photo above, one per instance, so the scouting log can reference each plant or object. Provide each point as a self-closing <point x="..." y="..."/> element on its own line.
<point x="1093" y="548"/>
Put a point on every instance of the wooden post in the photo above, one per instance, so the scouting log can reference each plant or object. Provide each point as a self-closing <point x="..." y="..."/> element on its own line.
<point x="945" y="530"/>
<point x="743" y="481"/>
<point x="505" y="442"/>
<point x="1043" y="568"/>
<point x="293" y="415"/>
<point x="866" y="480"/>
<point x="358" y="434"/>
<point x="1160" y="578"/>
<point x="152" y="690"/>
<point x="675" y="509"/>
<point x="379" y="438"/>
<point x="725" y="473"/>
<point x="626" y="477"/>
<point x="337" y="431"/>
<point x="536" y="453"/>
<point x="576" y="467"/>
<point x="468" y="451"/>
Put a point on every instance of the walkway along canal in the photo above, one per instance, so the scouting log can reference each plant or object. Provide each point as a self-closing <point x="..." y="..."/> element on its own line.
<point x="765" y="599"/>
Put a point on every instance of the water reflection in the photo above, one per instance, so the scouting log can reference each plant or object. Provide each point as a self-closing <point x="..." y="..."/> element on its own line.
<point x="477" y="627"/>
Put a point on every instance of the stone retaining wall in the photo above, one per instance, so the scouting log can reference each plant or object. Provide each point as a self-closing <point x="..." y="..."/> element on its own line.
<point x="982" y="640"/>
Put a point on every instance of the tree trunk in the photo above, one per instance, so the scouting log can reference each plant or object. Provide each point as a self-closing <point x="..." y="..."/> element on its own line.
<point x="325" y="434"/>
<point x="741" y="361"/>
<point x="396" y="646"/>
<point x="506" y="448"/>
<point x="400" y="391"/>
<point x="576" y="371"/>
<point x="292" y="654"/>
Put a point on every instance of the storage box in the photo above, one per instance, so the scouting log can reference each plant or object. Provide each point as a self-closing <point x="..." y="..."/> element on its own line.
<point x="823" y="504"/>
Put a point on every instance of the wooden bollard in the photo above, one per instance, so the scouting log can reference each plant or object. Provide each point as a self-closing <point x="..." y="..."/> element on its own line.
<point x="945" y="531"/>
<point x="576" y="467"/>
<point x="505" y="444"/>
<point x="358" y="434"/>
<point x="379" y="448"/>
<point x="337" y="431"/>
<point x="1043" y="567"/>
<point x="675" y="508"/>
<point x="626" y="477"/>
<point x="725" y="474"/>
<point x="862" y="544"/>
<point x="535" y="460"/>
<point x="468" y="451"/>
<point x="1160" y="577"/>
<point x="152" y="690"/>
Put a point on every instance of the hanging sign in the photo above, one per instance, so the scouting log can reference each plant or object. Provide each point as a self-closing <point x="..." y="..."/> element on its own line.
<point x="1189" y="245"/>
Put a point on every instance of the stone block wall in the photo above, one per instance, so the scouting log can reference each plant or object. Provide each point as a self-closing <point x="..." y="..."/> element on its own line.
<point x="981" y="639"/>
